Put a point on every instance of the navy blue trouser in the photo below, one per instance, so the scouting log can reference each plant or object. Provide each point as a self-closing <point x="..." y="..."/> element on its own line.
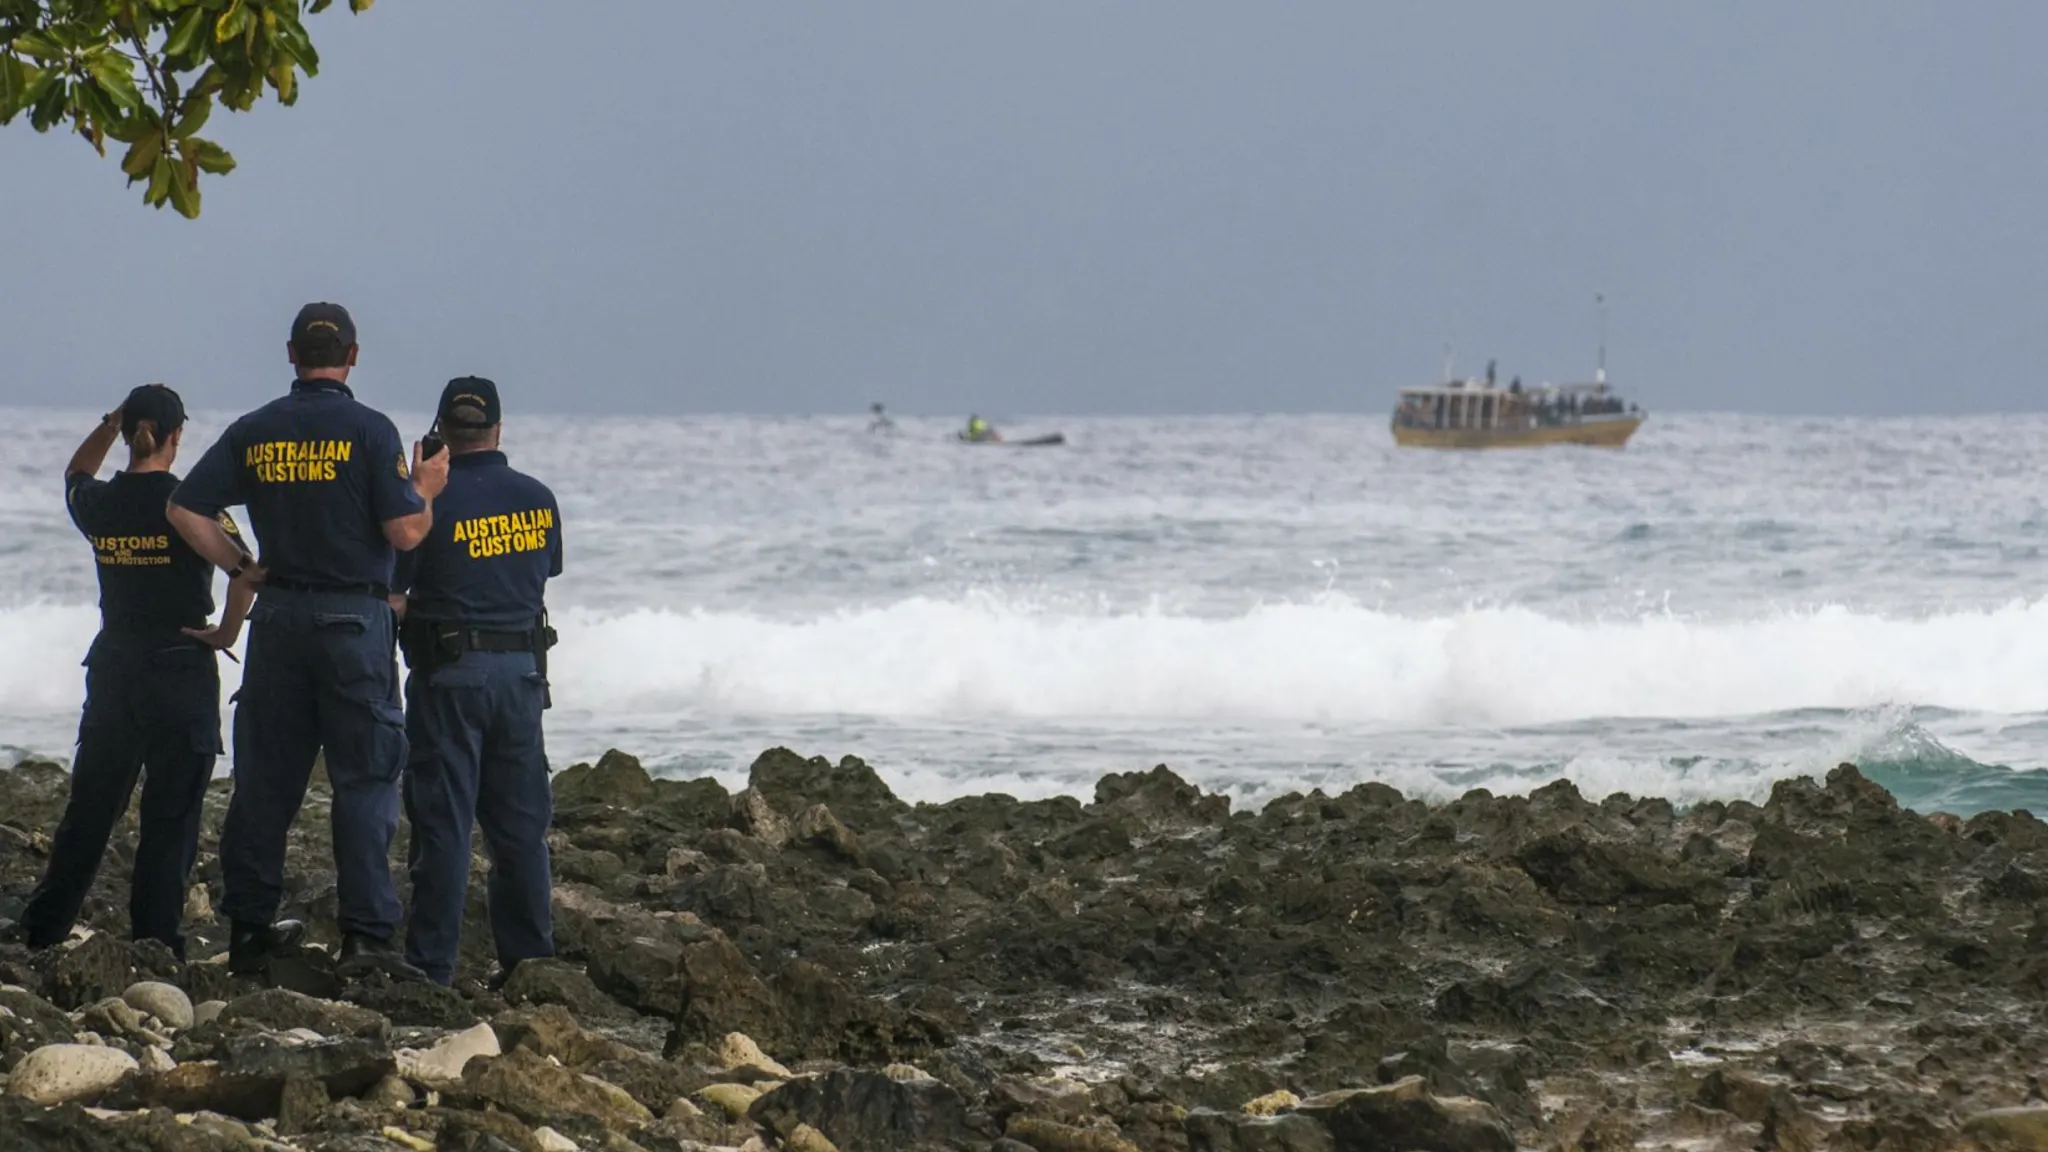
<point x="477" y="757"/>
<point x="152" y="709"/>
<point x="322" y="675"/>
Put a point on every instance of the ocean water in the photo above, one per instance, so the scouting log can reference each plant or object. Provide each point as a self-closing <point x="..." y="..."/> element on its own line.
<point x="1266" y="604"/>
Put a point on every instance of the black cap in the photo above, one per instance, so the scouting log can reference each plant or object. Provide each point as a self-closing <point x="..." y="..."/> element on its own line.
<point x="156" y="404"/>
<point x="322" y="335"/>
<point x="470" y="392"/>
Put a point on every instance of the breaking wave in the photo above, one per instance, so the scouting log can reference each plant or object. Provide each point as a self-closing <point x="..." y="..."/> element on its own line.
<point x="1328" y="661"/>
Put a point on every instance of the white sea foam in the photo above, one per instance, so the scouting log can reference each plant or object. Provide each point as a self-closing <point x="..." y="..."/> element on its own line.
<point x="1329" y="661"/>
<point x="986" y="694"/>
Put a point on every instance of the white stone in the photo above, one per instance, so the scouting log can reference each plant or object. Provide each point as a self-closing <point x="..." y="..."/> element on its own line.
<point x="443" y="1063"/>
<point x="553" y="1141"/>
<point x="166" y="1002"/>
<point x="112" y="1015"/>
<point x="404" y="1139"/>
<point x="61" y="1073"/>
<point x="198" y="905"/>
<point x="156" y="1061"/>
<point x="207" y="1011"/>
<point x="391" y="1092"/>
<point x="302" y="1036"/>
<point x="738" y="1050"/>
<point x="731" y="1099"/>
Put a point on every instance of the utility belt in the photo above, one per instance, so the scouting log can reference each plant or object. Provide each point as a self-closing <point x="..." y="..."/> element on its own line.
<point x="287" y="584"/>
<point x="142" y="625"/>
<point x="431" y="644"/>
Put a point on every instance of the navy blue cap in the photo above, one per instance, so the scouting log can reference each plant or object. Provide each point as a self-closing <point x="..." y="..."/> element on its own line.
<point x="470" y="392"/>
<point x="156" y="404"/>
<point x="322" y="334"/>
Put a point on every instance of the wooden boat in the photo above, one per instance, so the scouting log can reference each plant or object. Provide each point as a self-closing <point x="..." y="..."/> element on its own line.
<point x="1476" y="414"/>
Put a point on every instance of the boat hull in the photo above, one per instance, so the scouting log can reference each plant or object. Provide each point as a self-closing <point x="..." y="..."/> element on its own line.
<point x="1046" y="441"/>
<point x="1591" y="434"/>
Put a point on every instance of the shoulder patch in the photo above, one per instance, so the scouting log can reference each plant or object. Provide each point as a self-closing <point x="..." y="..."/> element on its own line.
<point x="228" y="524"/>
<point x="404" y="473"/>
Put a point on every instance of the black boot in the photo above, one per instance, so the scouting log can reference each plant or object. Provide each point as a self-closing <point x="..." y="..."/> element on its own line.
<point x="363" y="955"/>
<point x="502" y="976"/>
<point x="251" y="947"/>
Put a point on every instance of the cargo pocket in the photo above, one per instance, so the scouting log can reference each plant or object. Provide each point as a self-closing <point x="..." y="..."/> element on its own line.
<point x="100" y="699"/>
<point x="206" y="738"/>
<point x="373" y="749"/>
<point x="358" y="650"/>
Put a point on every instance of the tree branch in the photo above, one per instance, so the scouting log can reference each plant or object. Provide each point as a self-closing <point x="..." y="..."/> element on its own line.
<point x="156" y="80"/>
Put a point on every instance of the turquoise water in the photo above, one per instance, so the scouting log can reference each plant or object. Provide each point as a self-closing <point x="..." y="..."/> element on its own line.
<point x="1266" y="604"/>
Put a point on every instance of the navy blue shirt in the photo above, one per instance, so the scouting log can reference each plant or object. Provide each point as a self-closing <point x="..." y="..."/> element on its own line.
<point x="497" y="539"/>
<point x="320" y="474"/>
<point x="150" y="579"/>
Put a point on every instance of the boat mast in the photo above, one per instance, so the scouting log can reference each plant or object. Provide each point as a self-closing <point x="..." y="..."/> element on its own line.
<point x="1600" y="367"/>
<point x="1447" y="362"/>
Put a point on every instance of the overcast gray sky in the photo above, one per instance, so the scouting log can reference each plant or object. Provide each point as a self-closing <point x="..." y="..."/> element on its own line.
<point x="650" y="206"/>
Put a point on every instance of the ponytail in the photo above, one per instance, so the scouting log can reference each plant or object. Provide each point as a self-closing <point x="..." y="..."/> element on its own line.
<point x="143" y="441"/>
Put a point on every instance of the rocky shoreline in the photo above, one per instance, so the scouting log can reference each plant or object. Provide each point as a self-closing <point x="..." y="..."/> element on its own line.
<point x="812" y="963"/>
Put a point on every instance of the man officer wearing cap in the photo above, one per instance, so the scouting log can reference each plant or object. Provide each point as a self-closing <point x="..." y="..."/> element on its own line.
<point x="331" y="499"/>
<point x="476" y="638"/>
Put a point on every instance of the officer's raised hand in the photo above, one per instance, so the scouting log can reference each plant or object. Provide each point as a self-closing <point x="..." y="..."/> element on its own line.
<point x="429" y="473"/>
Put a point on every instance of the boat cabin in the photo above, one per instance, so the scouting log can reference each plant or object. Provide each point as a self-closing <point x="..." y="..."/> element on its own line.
<point x="1478" y="406"/>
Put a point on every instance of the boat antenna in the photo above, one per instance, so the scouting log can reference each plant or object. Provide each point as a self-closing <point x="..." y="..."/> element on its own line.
<point x="1447" y="361"/>
<point x="1600" y="367"/>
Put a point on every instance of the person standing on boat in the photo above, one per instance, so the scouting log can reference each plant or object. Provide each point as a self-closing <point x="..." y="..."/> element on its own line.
<point x="152" y="684"/>
<point x="979" y="431"/>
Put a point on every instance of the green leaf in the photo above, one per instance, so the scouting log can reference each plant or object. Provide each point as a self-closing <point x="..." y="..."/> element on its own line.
<point x="298" y="48"/>
<point x="188" y="35"/>
<point x="231" y="22"/>
<point x="39" y="45"/>
<point x="209" y="82"/>
<point x="360" y="5"/>
<point x="318" y="6"/>
<point x="134" y="126"/>
<point x="142" y="157"/>
<point x="159" y="182"/>
<point x="14" y="80"/>
<point x="114" y="74"/>
<point x="46" y="99"/>
<point x="197" y="111"/>
<point x="185" y="190"/>
<point x="93" y="101"/>
<point x="210" y="157"/>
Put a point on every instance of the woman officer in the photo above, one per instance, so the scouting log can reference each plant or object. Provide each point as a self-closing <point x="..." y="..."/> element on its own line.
<point x="152" y="686"/>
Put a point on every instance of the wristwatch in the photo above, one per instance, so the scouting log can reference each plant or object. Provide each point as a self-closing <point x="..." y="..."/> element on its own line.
<point x="235" y="573"/>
